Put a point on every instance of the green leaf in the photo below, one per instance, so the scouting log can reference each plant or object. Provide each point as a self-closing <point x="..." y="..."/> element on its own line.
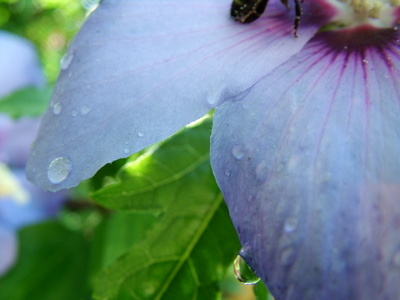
<point x="261" y="292"/>
<point x="161" y="169"/>
<point x="52" y="264"/>
<point x="185" y="252"/>
<point x="117" y="234"/>
<point x="26" y="102"/>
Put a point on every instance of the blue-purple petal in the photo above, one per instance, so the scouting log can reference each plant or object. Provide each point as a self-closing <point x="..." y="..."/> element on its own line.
<point x="37" y="206"/>
<point x="138" y="71"/>
<point x="8" y="248"/>
<point x="309" y="166"/>
<point x="16" y="138"/>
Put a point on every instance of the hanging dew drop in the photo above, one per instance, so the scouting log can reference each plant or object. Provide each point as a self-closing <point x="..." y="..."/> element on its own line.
<point x="290" y="224"/>
<point x="85" y="110"/>
<point x="262" y="171"/>
<point x="243" y="272"/>
<point x="238" y="151"/>
<point x="66" y="60"/>
<point x="396" y="259"/>
<point x="57" y="108"/>
<point x="59" y="169"/>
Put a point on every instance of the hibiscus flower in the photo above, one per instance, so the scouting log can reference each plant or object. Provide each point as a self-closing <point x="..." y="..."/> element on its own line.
<point x="306" y="135"/>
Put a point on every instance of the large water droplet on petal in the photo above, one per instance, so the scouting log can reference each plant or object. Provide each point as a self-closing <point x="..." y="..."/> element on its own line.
<point x="243" y="272"/>
<point x="59" y="169"/>
<point x="66" y="60"/>
<point x="238" y="151"/>
<point x="57" y="108"/>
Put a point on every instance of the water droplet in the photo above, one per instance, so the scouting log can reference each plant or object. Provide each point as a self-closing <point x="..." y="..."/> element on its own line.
<point x="238" y="151"/>
<point x="59" y="169"/>
<point x="243" y="272"/>
<point x="66" y="60"/>
<point x="227" y="173"/>
<point x="365" y="61"/>
<point x="396" y="259"/>
<point x="287" y="256"/>
<point x="213" y="101"/>
<point x="74" y="113"/>
<point x="57" y="108"/>
<point x="140" y="134"/>
<point x="126" y="150"/>
<point x="262" y="171"/>
<point x="291" y="224"/>
<point x="85" y="110"/>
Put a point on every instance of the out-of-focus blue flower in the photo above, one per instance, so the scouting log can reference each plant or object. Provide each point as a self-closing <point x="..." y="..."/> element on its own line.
<point x="21" y="203"/>
<point x="306" y="137"/>
<point x="19" y="64"/>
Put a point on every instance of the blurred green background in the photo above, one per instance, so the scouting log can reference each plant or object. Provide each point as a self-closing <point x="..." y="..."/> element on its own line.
<point x="49" y="24"/>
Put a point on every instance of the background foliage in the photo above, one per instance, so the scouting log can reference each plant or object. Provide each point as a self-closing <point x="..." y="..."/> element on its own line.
<point x="153" y="226"/>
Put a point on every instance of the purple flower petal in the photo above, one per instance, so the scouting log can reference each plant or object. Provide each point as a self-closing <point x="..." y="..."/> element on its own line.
<point x="16" y="138"/>
<point x="8" y="248"/>
<point x="138" y="71"/>
<point x="309" y="166"/>
<point x="37" y="206"/>
<point x="19" y="64"/>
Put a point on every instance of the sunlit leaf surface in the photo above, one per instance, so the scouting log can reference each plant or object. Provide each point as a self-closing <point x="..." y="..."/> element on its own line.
<point x="185" y="253"/>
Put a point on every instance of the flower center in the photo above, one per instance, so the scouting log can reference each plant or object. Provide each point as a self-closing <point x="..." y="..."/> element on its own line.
<point x="378" y="13"/>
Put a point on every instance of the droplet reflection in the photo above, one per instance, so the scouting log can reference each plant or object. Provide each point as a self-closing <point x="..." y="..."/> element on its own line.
<point x="397" y="259"/>
<point x="243" y="272"/>
<point x="290" y="224"/>
<point x="85" y="110"/>
<point x="66" y="60"/>
<point x="59" y="169"/>
<point x="238" y="151"/>
<point x="57" y="108"/>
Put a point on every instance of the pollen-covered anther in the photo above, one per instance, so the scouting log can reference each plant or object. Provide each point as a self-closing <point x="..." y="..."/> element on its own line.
<point x="378" y="13"/>
<point x="371" y="8"/>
